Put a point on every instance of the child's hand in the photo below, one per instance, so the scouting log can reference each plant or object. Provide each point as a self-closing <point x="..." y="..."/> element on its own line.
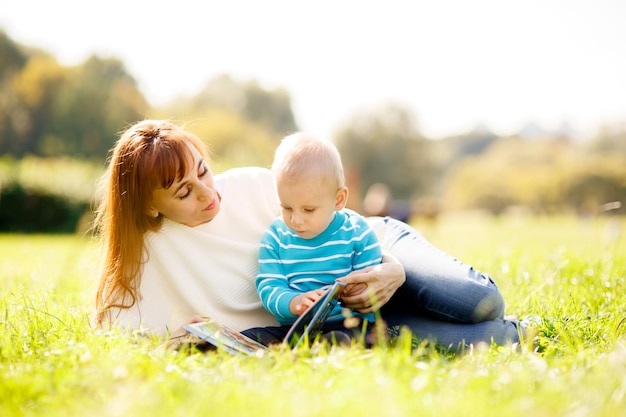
<point x="300" y="303"/>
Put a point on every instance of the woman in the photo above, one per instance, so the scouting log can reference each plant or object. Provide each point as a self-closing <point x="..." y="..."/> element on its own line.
<point x="181" y="244"/>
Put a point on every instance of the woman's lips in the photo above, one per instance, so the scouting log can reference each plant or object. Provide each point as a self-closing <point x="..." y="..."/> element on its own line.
<point x="211" y="206"/>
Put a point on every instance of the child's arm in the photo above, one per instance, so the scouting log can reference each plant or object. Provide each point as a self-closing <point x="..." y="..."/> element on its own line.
<point x="272" y="283"/>
<point x="367" y="251"/>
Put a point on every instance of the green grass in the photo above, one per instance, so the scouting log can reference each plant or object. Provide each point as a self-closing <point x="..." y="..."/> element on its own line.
<point x="53" y="364"/>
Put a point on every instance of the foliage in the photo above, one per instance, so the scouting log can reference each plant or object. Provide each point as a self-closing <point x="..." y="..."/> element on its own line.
<point x="232" y="139"/>
<point x="70" y="178"/>
<point x="50" y="110"/>
<point x="449" y="151"/>
<point x="385" y="146"/>
<point x="11" y="56"/>
<point x="97" y="98"/>
<point x="240" y="121"/>
<point x="595" y="181"/>
<point x="26" y="210"/>
<point x="54" y="364"/>
<point x="544" y="176"/>
<point x="45" y="194"/>
<point x="609" y="140"/>
<point x="270" y="108"/>
<point x="28" y="104"/>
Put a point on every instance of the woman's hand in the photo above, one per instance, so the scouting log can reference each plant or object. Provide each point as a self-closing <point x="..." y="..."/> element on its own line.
<point x="180" y="335"/>
<point x="370" y="288"/>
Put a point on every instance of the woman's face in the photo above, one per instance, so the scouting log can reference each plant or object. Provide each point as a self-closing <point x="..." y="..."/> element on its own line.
<point x="191" y="201"/>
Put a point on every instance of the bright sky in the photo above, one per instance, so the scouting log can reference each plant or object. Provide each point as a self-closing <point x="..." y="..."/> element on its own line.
<point x="456" y="63"/>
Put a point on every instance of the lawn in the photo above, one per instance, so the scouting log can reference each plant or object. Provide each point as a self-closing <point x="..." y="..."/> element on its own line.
<point x="569" y="271"/>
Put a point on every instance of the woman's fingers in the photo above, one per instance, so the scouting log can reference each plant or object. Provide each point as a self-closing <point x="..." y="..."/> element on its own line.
<point x="371" y="288"/>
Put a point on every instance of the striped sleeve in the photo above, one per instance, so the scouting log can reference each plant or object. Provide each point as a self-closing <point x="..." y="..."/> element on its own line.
<point x="272" y="281"/>
<point x="368" y="251"/>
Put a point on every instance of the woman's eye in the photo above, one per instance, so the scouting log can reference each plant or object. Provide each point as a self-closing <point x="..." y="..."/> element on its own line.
<point x="203" y="171"/>
<point x="182" y="197"/>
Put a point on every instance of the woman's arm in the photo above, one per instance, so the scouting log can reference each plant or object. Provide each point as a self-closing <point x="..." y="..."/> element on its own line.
<point x="371" y="288"/>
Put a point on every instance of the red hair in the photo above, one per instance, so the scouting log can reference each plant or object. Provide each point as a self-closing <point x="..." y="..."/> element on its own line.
<point x="150" y="154"/>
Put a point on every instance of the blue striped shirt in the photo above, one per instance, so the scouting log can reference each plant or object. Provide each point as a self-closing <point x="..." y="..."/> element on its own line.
<point x="290" y="265"/>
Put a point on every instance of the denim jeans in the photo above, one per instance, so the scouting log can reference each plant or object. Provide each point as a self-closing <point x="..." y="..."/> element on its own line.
<point x="442" y="299"/>
<point x="276" y="334"/>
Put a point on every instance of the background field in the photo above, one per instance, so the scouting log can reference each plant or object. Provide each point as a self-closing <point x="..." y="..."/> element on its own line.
<point x="569" y="271"/>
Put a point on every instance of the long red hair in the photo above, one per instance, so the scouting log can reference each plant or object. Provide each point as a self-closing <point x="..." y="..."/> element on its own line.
<point x="150" y="154"/>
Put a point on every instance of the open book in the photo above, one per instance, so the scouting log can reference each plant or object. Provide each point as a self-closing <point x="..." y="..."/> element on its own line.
<point x="303" y="329"/>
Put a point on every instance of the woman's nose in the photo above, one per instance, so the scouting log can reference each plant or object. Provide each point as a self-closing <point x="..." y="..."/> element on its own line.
<point x="206" y="192"/>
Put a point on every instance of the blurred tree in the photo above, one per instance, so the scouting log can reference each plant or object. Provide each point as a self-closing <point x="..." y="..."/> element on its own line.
<point x="610" y="139"/>
<point x="233" y="139"/>
<point x="595" y="181"/>
<point x="542" y="175"/>
<point x="98" y="98"/>
<point x="50" y="110"/>
<point x="450" y="150"/>
<point x="30" y="99"/>
<point x="270" y="108"/>
<point x="12" y="56"/>
<point x="241" y="122"/>
<point x="512" y="171"/>
<point x="385" y="146"/>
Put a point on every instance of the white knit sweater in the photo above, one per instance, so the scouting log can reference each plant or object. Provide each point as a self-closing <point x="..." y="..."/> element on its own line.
<point x="208" y="270"/>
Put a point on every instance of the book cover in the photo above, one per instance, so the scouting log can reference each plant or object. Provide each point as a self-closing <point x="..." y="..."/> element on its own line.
<point x="310" y="322"/>
<point x="303" y="329"/>
<point x="224" y="337"/>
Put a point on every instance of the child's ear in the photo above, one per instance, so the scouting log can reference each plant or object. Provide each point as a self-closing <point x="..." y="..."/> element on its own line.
<point x="342" y="198"/>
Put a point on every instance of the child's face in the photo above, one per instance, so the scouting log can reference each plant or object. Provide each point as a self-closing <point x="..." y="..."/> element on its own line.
<point x="308" y="205"/>
<point x="191" y="201"/>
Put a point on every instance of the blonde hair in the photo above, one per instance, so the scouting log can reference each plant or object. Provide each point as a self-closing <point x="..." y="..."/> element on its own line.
<point x="150" y="154"/>
<point x="301" y="155"/>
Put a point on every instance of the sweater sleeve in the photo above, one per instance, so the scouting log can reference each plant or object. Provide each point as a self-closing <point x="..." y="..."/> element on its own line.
<point x="272" y="281"/>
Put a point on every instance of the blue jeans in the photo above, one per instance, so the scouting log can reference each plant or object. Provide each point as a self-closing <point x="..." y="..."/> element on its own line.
<point x="276" y="334"/>
<point x="443" y="299"/>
